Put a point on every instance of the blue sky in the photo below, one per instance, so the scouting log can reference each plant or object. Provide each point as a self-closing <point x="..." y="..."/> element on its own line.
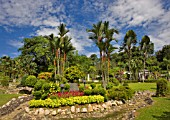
<point x="25" y="18"/>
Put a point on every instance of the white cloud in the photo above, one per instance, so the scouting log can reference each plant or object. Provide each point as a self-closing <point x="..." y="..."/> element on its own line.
<point x="15" y="43"/>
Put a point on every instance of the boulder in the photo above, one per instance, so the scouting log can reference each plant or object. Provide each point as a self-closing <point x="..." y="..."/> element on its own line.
<point x="84" y="110"/>
<point x="27" y="110"/>
<point x="54" y="113"/>
<point x="73" y="109"/>
<point x="47" y="112"/>
<point x="90" y="108"/>
<point x="41" y="111"/>
<point x="77" y="110"/>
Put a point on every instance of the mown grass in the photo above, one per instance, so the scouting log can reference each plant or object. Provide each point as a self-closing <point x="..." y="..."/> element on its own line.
<point x="143" y="86"/>
<point x="160" y="110"/>
<point x="4" y="98"/>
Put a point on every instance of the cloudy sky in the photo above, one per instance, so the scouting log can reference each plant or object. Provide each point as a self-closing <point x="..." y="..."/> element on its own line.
<point x="21" y="19"/>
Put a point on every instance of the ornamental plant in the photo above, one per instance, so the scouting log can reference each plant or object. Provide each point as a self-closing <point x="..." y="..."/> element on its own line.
<point x="162" y="87"/>
<point x="45" y="75"/>
<point x="65" y="94"/>
<point x="54" y="103"/>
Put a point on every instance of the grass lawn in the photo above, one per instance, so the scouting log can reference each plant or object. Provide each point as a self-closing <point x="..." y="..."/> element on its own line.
<point x="143" y="86"/>
<point x="6" y="97"/>
<point x="160" y="110"/>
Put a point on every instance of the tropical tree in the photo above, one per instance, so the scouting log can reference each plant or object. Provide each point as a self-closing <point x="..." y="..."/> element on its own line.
<point x="146" y="48"/>
<point x="129" y="41"/>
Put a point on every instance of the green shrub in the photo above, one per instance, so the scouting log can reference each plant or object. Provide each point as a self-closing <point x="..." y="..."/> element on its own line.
<point x="114" y="81"/>
<point x="44" y="96"/>
<point x="30" y="81"/>
<point x="81" y="88"/>
<point x="109" y="85"/>
<point x="39" y="85"/>
<point x="46" y="87"/>
<point x="67" y="87"/>
<point x="162" y="87"/>
<point x="93" y="85"/>
<point x="4" y="80"/>
<point x="37" y="95"/>
<point x="87" y="92"/>
<point x="121" y="93"/>
<point x="98" y="91"/>
<point x="23" y="80"/>
<point x="54" y="103"/>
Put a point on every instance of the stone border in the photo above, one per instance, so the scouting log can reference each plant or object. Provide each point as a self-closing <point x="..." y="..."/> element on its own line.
<point x="13" y="104"/>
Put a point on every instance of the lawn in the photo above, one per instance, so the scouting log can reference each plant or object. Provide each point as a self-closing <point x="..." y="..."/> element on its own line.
<point x="143" y="86"/>
<point x="6" y="97"/>
<point x="160" y="110"/>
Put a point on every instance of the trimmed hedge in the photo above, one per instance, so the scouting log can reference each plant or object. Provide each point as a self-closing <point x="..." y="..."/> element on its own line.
<point x="54" y="103"/>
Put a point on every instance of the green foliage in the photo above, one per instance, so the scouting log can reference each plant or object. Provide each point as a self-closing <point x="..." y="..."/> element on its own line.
<point x="44" y="96"/>
<point x="93" y="85"/>
<point x="39" y="85"/>
<point x="125" y="84"/>
<point x="87" y="92"/>
<point x="37" y="95"/>
<point x="4" y="80"/>
<point x="45" y="75"/>
<point x="67" y="87"/>
<point x="30" y="81"/>
<point x="114" y="81"/>
<point x="73" y="73"/>
<point x="46" y="87"/>
<point x="54" y="103"/>
<point x="81" y="88"/>
<point x="121" y="93"/>
<point x="162" y="87"/>
<point x="23" y="80"/>
<point x="98" y="91"/>
<point x="109" y="85"/>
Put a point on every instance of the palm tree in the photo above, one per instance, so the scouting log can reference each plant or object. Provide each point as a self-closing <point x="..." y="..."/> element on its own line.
<point x="146" y="47"/>
<point x="66" y="48"/>
<point x="130" y="39"/>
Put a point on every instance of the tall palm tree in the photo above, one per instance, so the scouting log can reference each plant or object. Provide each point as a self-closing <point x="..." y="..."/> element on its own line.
<point x="130" y="39"/>
<point x="146" y="47"/>
<point x="66" y="48"/>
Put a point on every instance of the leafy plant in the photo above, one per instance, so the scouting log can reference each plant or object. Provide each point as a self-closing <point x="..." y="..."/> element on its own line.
<point x="30" y="81"/>
<point x="162" y="87"/>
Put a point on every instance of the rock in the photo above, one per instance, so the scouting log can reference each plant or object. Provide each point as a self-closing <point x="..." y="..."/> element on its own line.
<point x="41" y="111"/>
<point x="84" y="110"/>
<point x="77" y="110"/>
<point x="13" y="99"/>
<point x="47" y="112"/>
<point x="148" y="100"/>
<point x="114" y="103"/>
<point x="27" y="110"/>
<point x="73" y="109"/>
<point x="119" y="102"/>
<point x="90" y="108"/>
<point x="36" y="112"/>
<point x="54" y="113"/>
<point x="3" y="106"/>
<point x="59" y="111"/>
<point x="8" y="103"/>
<point x="21" y="100"/>
<point x="104" y="106"/>
<point x="109" y="103"/>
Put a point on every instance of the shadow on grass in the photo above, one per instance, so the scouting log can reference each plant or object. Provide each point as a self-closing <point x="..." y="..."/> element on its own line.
<point x="165" y="116"/>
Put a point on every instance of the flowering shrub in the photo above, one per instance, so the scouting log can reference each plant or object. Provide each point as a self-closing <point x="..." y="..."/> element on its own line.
<point x="45" y="75"/>
<point x="65" y="94"/>
<point x="53" y="103"/>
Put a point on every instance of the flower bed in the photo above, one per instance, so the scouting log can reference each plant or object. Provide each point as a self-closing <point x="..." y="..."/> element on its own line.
<point x="65" y="94"/>
<point x="54" y="103"/>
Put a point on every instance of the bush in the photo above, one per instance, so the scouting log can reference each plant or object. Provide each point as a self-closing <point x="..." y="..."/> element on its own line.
<point x="30" y="81"/>
<point x="114" y="81"/>
<point x="44" y="96"/>
<point x="162" y="87"/>
<point x="93" y="85"/>
<point x="4" y="80"/>
<point x="87" y="92"/>
<point x="23" y="80"/>
<point x="109" y="85"/>
<point x="54" y="103"/>
<point x="67" y="87"/>
<point x="81" y="88"/>
<point x="39" y="85"/>
<point x="45" y="75"/>
<point x="125" y="84"/>
<point x="121" y="93"/>
<point x="46" y="87"/>
<point x="98" y="91"/>
<point x="37" y="95"/>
